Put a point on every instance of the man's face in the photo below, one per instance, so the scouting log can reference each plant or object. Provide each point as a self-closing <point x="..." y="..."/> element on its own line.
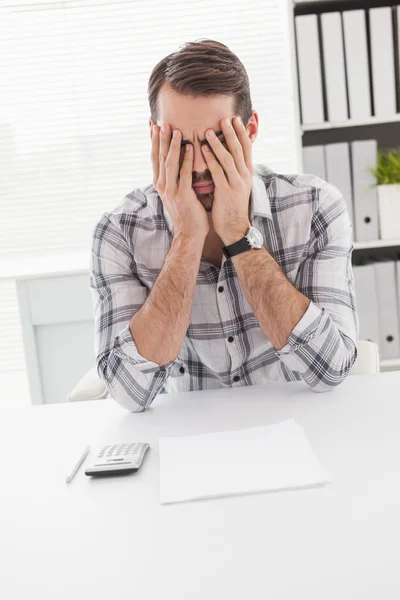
<point x="193" y="116"/>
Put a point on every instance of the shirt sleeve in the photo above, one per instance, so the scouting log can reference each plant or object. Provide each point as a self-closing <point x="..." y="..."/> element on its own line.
<point x="117" y="293"/>
<point x="322" y="346"/>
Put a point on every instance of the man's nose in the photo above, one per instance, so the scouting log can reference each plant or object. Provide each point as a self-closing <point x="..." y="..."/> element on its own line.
<point x="199" y="162"/>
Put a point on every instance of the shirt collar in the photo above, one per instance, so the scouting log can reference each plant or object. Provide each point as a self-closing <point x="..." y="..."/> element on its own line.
<point x="259" y="197"/>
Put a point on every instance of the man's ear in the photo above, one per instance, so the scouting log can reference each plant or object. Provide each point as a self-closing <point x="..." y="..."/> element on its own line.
<point x="252" y="127"/>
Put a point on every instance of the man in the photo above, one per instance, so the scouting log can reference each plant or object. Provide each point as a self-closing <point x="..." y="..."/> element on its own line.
<point x="244" y="281"/>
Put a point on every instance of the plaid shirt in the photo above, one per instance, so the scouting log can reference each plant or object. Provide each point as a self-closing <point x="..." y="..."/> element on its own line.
<point x="307" y="230"/>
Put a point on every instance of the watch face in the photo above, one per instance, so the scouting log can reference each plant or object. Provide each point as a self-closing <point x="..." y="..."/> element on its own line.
<point x="255" y="237"/>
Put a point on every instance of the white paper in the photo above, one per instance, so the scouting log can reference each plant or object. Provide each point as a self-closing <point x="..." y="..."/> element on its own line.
<point x="273" y="457"/>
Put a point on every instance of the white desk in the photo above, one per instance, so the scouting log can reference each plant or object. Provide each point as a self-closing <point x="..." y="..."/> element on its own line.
<point x="110" y="539"/>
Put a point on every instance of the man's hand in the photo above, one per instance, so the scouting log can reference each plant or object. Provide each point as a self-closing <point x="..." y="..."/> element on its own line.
<point x="187" y="213"/>
<point x="232" y="174"/>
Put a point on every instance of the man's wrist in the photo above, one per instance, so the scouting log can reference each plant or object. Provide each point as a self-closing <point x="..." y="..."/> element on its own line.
<point x="234" y="236"/>
<point x="192" y="242"/>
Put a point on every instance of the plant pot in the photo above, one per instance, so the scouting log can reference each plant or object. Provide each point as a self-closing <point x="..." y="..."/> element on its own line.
<point x="389" y="211"/>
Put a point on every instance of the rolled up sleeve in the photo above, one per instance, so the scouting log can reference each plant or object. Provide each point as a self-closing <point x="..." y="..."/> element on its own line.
<point x="117" y="293"/>
<point x="322" y="346"/>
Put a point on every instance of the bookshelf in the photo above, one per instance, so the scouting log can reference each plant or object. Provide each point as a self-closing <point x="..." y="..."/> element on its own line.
<point x="376" y="244"/>
<point x="390" y="364"/>
<point x="351" y="123"/>
<point x="380" y="126"/>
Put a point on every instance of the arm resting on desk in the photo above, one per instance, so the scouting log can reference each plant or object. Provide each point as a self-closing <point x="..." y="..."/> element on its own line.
<point x="322" y="346"/>
<point x="139" y="334"/>
<point x="131" y="379"/>
<point x="312" y="323"/>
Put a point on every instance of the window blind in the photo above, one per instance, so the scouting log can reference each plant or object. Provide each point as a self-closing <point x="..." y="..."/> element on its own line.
<point x="74" y="134"/>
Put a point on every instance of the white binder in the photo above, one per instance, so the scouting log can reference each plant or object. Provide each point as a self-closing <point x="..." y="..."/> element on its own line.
<point x="382" y="53"/>
<point x="385" y="282"/>
<point x="332" y="40"/>
<point x="310" y="77"/>
<point x="364" y="154"/>
<point x="398" y="288"/>
<point x="367" y="302"/>
<point x="314" y="161"/>
<point x="398" y="29"/>
<point x="338" y="171"/>
<point x="355" y="39"/>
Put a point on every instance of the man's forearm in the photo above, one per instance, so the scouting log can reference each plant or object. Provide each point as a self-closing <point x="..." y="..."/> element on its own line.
<point x="276" y="303"/>
<point x="159" y="327"/>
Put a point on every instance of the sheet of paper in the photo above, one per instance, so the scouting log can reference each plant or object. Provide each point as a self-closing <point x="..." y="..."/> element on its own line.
<point x="273" y="457"/>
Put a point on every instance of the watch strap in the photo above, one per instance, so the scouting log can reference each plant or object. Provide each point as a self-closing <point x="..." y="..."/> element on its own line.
<point x="237" y="248"/>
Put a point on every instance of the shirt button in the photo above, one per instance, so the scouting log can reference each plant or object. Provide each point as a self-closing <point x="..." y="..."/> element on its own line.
<point x="236" y="378"/>
<point x="182" y="369"/>
<point x="221" y="288"/>
<point x="230" y="339"/>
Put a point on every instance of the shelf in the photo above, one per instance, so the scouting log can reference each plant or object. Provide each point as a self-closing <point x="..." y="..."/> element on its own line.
<point x="376" y="244"/>
<point x="349" y="123"/>
<point x="45" y="266"/>
<point x="390" y="363"/>
<point x="310" y="7"/>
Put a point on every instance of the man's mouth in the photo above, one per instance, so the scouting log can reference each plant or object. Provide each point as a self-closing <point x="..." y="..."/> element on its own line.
<point x="202" y="188"/>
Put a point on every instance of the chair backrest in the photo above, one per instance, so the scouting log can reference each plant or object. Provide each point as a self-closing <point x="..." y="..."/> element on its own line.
<point x="367" y="361"/>
<point x="89" y="387"/>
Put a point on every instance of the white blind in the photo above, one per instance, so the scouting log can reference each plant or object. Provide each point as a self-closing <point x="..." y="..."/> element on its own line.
<point x="74" y="135"/>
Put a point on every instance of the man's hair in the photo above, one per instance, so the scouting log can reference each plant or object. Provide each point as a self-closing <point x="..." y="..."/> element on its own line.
<point x="203" y="68"/>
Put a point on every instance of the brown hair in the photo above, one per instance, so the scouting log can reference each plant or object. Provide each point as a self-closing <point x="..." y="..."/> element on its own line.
<point x="203" y="68"/>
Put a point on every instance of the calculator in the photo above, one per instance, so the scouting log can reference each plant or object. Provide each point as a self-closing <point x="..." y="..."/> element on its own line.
<point x="118" y="459"/>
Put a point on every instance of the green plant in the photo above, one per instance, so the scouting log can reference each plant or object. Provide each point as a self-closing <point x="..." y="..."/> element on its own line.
<point x="387" y="167"/>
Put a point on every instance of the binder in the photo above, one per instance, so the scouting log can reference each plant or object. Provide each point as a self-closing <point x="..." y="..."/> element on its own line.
<point x="314" y="161"/>
<point x="382" y="53"/>
<point x="398" y="288"/>
<point x="356" y="56"/>
<point x="332" y="41"/>
<point x="367" y="302"/>
<point x="398" y="34"/>
<point x="338" y="172"/>
<point x="364" y="154"/>
<point x="385" y="283"/>
<point x="310" y="78"/>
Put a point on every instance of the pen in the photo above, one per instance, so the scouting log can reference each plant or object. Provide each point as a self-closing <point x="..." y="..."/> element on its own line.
<point x="78" y="464"/>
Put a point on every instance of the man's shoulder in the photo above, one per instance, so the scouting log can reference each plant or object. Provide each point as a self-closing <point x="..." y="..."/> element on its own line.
<point x="287" y="183"/>
<point x="131" y="211"/>
<point x="304" y="188"/>
<point x="136" y="204"/>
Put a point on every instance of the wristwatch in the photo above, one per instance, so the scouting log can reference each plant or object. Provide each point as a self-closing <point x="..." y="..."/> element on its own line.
<point x="252" y="239"/>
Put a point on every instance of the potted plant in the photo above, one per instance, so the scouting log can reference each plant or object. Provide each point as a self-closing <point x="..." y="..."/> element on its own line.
<point x="387" y="175"/>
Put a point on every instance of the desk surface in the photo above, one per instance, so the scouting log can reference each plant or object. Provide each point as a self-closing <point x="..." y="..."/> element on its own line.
<point x="110" y="538"/>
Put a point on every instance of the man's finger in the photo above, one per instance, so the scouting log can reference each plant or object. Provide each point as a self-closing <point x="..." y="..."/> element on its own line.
<point x="155" y="153"/>
<point x="172" y="162"/>
<point x="187" y="166"/>
<point x="165" y="137"/>
<point x="216" y="170"/>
